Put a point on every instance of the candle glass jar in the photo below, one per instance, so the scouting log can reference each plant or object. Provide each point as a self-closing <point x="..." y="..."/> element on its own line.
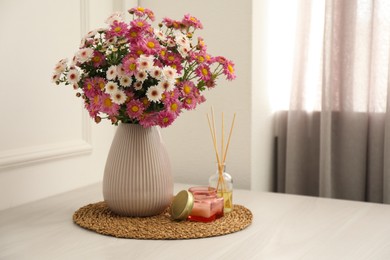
<point x="222" y="182"/>
<point x="197" y="204"/>
<point x="207" y="205"/>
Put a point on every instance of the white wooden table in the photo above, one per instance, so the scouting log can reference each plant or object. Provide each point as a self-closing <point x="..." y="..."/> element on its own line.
<point x="284" y="227"/>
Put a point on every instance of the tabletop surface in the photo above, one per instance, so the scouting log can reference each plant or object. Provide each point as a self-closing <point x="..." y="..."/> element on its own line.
<point x="284" y="227"/>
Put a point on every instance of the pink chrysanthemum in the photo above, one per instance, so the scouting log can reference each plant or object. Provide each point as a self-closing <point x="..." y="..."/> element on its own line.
<point x="172" y="23"/>
<point x="150" y="14"/>
<point x="94" y="103"/>
<point x="99" y="83"/>
<point x="135" y="108"/>
<point x="191" y="21"/>
<point x="228" y="70"/>
<point x="190" y="102"/>
<point x="134" y="34"/>
<point x="89" y="88"/>
<point x="107" y="105"/>
<point x="118" y="29"/>
<point x="202" y="57"/>
<point x="152" y="46"/>
<point x="130" y="65"/>
<point x="140" y="24"/>
<point x="91" y="108"/>
<point x="165" y="118"/>
<point x="221" y="60"/>
<point x="172" y="105"/>
<point x="147" y="120"/>
<point x="138" y="11"/>
<point x="187" y="88"/>
<point x="203" y="72"/>
<point x="167" y="21"/>
<point x="141" y="12"/>
<point x="211" y="83"/>
<point x="138" y="49"/>
<point x="172" y="58"/>
<point x="98" y="59"/>
<point x="201" y="44"/>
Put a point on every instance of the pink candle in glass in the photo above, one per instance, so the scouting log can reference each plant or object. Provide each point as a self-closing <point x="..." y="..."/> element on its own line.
<point x="207" y="206"/>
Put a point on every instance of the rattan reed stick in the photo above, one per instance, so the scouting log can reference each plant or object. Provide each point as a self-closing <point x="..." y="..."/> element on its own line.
<point x="221" y="158"/>
<point x="228" y="142"/>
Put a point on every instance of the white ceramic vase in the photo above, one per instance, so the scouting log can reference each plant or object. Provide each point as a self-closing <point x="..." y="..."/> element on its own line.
<point x="137" y="178"/>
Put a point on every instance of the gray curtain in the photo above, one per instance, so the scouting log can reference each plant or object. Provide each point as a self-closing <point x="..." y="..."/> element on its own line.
<point x="338" y="146"/>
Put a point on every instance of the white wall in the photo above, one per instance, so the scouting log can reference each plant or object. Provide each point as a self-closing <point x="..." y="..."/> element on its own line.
<point x="261" y="116"/>
<point x="48" y="144"/>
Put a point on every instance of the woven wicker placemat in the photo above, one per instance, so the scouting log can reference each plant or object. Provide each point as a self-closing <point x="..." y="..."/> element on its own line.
<point x="99" y="218"/>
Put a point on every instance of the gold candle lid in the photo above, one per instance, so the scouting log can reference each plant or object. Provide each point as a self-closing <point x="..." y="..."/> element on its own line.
<point x="182" y="205"/>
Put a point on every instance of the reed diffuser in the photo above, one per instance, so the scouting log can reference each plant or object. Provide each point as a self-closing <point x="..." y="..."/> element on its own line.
<point x="221" y="181"/>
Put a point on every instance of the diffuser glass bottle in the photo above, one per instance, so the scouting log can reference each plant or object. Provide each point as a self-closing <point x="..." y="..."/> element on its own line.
<point x="223" y="183"/>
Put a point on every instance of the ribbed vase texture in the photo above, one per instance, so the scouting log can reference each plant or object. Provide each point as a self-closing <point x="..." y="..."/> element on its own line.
<point x="137" y="178"/>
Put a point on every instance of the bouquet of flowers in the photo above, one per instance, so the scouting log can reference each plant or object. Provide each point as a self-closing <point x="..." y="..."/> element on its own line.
<point x="134" y="73"/>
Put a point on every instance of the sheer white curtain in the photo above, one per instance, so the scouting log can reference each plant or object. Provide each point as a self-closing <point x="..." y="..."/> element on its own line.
<point x="334" y="138"/>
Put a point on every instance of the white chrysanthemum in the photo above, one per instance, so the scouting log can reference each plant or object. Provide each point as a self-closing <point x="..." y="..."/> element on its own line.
<point x="184" y="50"/>
<point x="167" y="85"/>
<point x="145" y="62"/>
<point x="84" y="55"/>
<point x="117" y="16"/>
<point x="156" y="72"/>
<point x="138" y="85"/>
<point x="91" y="34"/>
<point x="169" y="72"/>
<point x="111" y="87"/>
<point x="154" y="94"/>
<point x="118" y="97"/>
<point x="60" y="67"/>
<point x="73" y="76"/>
<point x="120" y="71"/>
<point x="63" y="61"/>
<point x="181" y="39"/>
<point x="82" y="43"/>
<point x="125" y="81"/>
<point x="171" y="42"/>
<point x="73" y="61"/>
<point x="160" y="35"/>
<point x="111" y="72"/>
<point x="141" y="75"/>
<point x="55" y="77"/>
